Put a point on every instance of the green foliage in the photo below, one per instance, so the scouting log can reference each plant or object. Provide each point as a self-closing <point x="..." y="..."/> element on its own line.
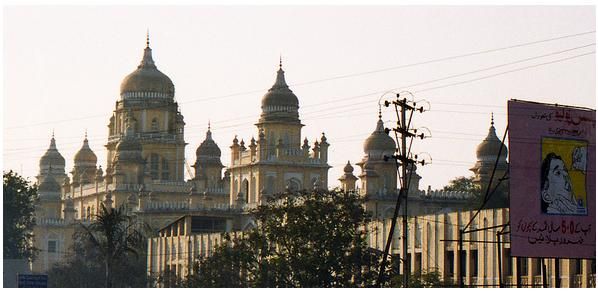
<point x="19" y="218"/>
<point x="312" y="239"/>
<point x="464" y="184"/>
<point x="425" y="279"/>
<point x="109" y="252"/>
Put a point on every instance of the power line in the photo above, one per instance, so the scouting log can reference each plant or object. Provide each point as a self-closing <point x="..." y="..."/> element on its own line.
<point x="357" y="74"/>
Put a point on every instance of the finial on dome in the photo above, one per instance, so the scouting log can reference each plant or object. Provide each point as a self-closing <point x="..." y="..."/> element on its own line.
<point x="379" y="111"/>
<point x="280" y="62"/>
<point x="147" y="38"/>
<point x="492" y="119"/>
<point x="52" y="133"/>
<point x="86" y="134"/>
<point x="209" y="125"/>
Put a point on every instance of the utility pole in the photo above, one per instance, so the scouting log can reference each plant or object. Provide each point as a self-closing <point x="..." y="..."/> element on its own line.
<point x="402" y="106"/>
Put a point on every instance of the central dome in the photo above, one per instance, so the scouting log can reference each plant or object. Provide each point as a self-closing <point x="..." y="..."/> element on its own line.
<point x="280" y="103"/>
<point x="147" y="80"/>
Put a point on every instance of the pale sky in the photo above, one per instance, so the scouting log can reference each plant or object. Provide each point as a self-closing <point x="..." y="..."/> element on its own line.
<point x="63" y="66"/>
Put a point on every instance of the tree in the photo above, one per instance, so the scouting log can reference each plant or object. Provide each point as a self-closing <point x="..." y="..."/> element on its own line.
<point x="463" y="184"/>
<point x="19" y="218"/>
<point x="113" y="245"/>
<point x="309" y="239"/>
<point x="425" y="279"/>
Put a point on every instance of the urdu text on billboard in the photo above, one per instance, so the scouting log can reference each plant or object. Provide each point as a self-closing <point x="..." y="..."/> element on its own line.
<point x="552" y="180"/>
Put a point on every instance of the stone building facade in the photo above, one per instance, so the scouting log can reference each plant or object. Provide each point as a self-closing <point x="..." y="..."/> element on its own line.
<point x="432" y="246"/>
<point x="145" y="166"/>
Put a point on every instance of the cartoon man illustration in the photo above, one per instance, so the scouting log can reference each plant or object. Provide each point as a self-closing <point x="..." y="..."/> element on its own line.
<point x="556" y="191"/>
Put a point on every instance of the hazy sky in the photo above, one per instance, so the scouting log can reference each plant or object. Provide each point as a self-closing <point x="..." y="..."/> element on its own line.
<point x="63" y="67"/>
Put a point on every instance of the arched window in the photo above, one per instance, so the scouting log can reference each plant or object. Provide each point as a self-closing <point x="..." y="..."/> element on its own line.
<point x="245" y="189"/>
<point x="155" y="166"/>
<point x="294" y="184"/>
<point x="155" y="126"/>
<point x="165" y="170"/>
<point x="418" y="234"/>
<point x="270" y="185"/>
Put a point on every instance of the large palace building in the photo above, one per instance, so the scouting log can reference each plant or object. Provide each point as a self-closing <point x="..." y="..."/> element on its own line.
<point x="145" y="163"/>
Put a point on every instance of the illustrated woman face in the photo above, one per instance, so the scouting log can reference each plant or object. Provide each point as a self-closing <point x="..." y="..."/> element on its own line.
<point x="559" y="183"/>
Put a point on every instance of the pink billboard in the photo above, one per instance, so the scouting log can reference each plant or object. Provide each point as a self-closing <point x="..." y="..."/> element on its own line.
<point x="552" y="180"/>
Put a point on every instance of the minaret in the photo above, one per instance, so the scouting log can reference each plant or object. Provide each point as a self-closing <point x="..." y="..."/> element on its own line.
<point x="147" y="100"/>
<point x="52" y="158"/>
<point x="486" y="153"/>
<point x="280" y="115"/>
<point x="375" y="148"/>
<point x="49" y="197"/>
<point x="208" y="167"/>
<point x="85" y="164"/>
<point x="348" y="179"/>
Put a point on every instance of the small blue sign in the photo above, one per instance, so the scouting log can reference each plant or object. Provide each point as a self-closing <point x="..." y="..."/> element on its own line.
<point x="32" y="281"/>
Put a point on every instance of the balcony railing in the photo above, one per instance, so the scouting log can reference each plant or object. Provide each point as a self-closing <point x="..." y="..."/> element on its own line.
<point x="577" y="280"/>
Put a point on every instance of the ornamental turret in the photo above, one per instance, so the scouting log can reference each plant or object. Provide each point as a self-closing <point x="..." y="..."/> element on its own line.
<point x="52" y="158"/>
<point x="348" y="179"/>
<point x="487" y="153"/>
<point x="279" y="119"/>
<point x="208" y="166"/>
<point x="49" y="204"/>
<point x="380" y="174"/>
<point x="85" y="164"/>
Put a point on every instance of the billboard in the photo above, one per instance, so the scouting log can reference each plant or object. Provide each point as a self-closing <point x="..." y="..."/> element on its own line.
<point x="552" y="180"/>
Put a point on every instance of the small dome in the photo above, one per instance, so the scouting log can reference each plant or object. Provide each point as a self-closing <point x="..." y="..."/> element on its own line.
<point x="490" y="146"/>
<point x="379" y="140"/>
<point x="147" y="80"/>
<point x="85" y="155"/>
<point x="348" y="168"/>
<point x="49" y="188"/>
<point x="52" y="157"/>
<point x="208" y="148"/>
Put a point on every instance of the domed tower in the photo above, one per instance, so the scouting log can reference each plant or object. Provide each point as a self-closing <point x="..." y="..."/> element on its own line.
<point x="52" y="161"/>
<point x="486" y="153"/>
<point x="275" y="162"/>
<point x="208" y="167"/>
<point x="279" y="119"/>
<point x="348" y="179"/>
<point x="378" y="145"/>
<point x="147" y="96"/>
<point x="85" y="164"/>
<point x="49" y="204"/>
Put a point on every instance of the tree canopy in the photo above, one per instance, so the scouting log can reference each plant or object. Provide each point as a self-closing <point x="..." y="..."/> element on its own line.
<point x="464" y="184"/>
<point x="19" y="198"/>
<point x="309" y="239"/>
